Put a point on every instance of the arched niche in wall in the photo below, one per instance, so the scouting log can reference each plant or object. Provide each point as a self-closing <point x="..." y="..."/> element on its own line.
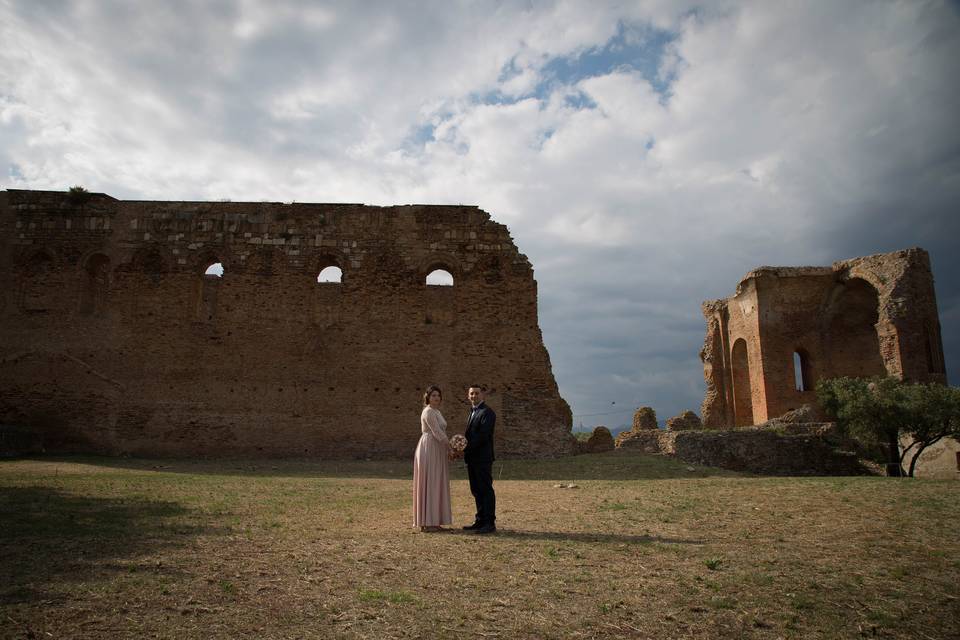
<point x="440" y="277"/>
<point x="853" y="347"/>
<point x="211" y="270"/>
<point x="94" y="283"/>
<point x="41" y="288"/>
<point x="330" y="277"/>
<point x="329" y="268"/>
<point x="740" y="377"/>
<point x="439" y="262"/>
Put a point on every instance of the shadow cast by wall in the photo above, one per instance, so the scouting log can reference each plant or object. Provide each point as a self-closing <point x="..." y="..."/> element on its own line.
<point x="51" y="537"/>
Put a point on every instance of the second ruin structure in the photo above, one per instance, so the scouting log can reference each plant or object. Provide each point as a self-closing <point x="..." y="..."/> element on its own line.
<point x="787" y="327"/>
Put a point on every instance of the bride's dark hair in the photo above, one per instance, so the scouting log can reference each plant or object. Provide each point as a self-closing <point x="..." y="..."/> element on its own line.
<point x="431" y="389"/>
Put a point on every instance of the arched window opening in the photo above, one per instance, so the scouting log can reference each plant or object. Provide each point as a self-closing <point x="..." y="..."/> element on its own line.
<point x="331" y="274"/>
<point x="802" y="376"/>
<point x="742" y="393"/>
<point x="440" y="278"/>
<point x="209" y="292"/>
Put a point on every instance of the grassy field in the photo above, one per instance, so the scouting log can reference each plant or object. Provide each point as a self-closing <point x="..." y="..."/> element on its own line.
<point x="640" y="547"/>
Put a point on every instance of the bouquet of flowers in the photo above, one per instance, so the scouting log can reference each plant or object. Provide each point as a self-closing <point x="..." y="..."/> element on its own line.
<point x="458" y="443"/>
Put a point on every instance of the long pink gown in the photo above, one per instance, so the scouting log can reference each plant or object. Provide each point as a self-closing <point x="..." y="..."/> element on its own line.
<point x="431" y="474"/>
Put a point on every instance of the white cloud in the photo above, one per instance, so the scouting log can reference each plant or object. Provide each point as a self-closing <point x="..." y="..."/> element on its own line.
<point x="785" y="129"/>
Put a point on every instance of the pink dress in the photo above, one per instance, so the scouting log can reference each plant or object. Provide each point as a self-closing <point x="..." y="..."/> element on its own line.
<point x="431" y="476"/>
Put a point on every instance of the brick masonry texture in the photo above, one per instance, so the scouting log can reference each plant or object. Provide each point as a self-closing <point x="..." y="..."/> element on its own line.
<point x="114" y="341"/>
<point x="756" y="450"/>
<point x="869" y="316"/>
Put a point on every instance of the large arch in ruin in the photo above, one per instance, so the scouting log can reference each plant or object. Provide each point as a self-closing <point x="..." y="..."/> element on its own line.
<point x="869" y="316"/>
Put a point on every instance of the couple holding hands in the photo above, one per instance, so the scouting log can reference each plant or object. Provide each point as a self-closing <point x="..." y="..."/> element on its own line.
<point x="431" y="474"/>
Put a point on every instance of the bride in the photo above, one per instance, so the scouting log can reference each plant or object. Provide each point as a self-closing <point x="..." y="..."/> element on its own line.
<point x="431" y="476"/>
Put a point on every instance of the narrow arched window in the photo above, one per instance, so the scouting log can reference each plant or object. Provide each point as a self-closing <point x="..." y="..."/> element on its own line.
<point x="802" y="377"/>
<point x="440" y="278"/>
<point x="209" y="292"/>
<point x="331" y="274"/>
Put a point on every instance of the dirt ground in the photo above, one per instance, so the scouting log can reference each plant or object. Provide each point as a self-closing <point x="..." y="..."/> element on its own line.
<point x="640" y="547"/>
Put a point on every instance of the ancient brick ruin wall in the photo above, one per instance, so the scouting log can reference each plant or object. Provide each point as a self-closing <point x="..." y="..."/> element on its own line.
<point x="114" y="341"/>
<point x="875" y="315"/>
<point x="762" y="451"/>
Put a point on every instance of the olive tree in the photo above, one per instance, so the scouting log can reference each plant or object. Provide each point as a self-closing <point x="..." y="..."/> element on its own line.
<point x="899" y="418"/>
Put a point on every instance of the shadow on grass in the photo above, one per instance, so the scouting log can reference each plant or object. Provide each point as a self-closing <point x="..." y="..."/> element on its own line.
<point x="613" y="465"/>
<point x="580" y="536"/>
<point x="50" y="537"/>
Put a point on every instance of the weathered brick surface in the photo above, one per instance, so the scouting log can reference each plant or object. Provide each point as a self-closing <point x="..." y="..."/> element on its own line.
<point x="761" y="451"/>
<point x="112" y="340"/>
<point x="646" y="441"/>
<point x="644" y="422"/>
<point x="600" y="440"/>
<point x="644" y="418"/>
<point x="686" y="421"/>
<point x="875" y="315"/>
<point x="797" y="450"/>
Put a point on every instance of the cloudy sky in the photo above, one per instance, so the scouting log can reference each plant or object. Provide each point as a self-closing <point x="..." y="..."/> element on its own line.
<point x="645" y="155"/>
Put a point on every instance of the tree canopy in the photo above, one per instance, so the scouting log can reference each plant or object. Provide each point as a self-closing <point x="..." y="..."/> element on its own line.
<point x="903" y="419"/>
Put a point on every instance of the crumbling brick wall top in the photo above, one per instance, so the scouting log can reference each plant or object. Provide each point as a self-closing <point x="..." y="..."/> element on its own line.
<point x="264" y="360"/>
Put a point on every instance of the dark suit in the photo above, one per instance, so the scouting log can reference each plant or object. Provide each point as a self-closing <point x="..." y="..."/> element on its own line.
<point x="479" y="458"/>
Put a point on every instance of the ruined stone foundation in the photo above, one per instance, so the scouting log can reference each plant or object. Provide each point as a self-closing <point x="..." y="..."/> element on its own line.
<point x="788" y="327"/>
<point x="112" y="339"/>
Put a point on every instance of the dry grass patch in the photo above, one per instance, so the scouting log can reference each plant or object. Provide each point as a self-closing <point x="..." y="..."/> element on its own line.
<point x="642" y="547"/>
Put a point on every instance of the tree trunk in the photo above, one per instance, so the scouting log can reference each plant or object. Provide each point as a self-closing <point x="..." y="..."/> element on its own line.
<point x="893" y="456"/>
<point x="916" y="456"/>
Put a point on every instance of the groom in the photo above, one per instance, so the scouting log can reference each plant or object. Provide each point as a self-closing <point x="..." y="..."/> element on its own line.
<point x="479" y="458"/>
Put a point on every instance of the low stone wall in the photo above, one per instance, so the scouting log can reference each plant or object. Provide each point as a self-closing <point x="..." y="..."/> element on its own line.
<point x="796" y="449"/>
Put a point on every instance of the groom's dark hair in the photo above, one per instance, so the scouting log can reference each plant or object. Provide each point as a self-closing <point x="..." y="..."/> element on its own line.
<point x="477" y="386"/>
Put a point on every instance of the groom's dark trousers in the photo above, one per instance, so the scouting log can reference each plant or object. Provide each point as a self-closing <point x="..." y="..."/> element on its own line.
<point x="479" y="458"/>
<point x="481" y="486"/>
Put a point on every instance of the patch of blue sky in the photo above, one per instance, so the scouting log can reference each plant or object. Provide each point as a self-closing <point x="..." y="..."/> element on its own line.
<point x="636" y="47"/>
<point x="579" y="100"/>
<point x="424" y="133"/>
<point x="421" y="134"/>
<point x="640" y="48"/>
